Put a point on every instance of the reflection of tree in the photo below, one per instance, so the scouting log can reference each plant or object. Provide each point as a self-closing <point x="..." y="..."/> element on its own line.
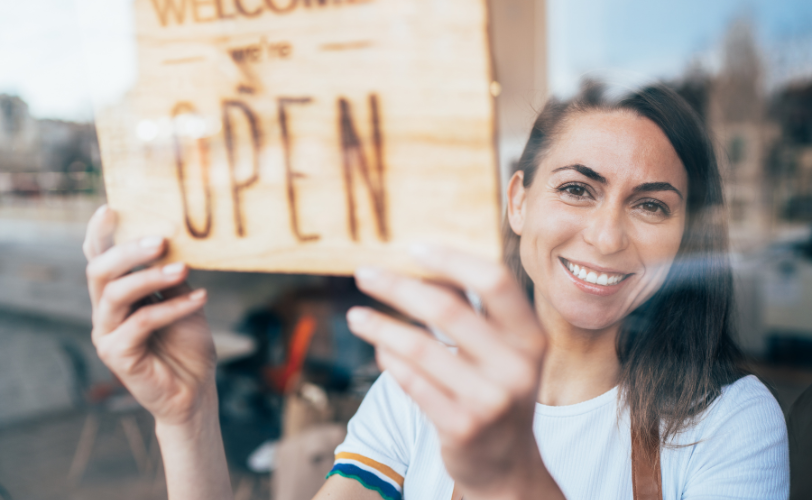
<point x="12" y="112"/>
<point x="789" y="165"/>
<point x="41" y="156"/>
<point x="791" y="107"/>
<point x="695" y="88"/>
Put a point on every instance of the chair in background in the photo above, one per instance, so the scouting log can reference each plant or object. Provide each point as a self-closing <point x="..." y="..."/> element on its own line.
<point x="103" y="400"/>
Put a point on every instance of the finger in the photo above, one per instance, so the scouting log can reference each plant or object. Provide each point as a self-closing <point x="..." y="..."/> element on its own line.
<point x="501" y="294"/>
<point x="450" y="373"/>
<point x="436" y="306"/>
<point x="130" y="338"/>
<point x="181" y="288"/>
<point x="119" y="260"/>
<point x="118" y="297"/>
<point x="99" y="235"/>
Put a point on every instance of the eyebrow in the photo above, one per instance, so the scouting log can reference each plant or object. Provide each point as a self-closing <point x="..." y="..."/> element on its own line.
<point x="646" y="187"/>
<point x="585" y="171"/>
<point x="657" y="186"/>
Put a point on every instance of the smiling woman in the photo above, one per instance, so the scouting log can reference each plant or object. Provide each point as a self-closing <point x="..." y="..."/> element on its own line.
<point x="620" y="380"/>
<point x="640" y="197"/>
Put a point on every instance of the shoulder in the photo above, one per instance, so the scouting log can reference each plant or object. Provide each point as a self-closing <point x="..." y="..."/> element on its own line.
<point x="738" y="446"/>
<point x="747" y="408"/>
<point x="385" y="426"/>
<point x="386" y="399"/>
<point x="749" y="401"/>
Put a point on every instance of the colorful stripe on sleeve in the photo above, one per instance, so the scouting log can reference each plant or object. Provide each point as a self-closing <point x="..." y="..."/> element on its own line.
<point x="373" y="475"/>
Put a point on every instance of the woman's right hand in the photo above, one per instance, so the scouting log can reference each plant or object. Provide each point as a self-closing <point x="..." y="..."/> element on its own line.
<point x="161" y="350"/>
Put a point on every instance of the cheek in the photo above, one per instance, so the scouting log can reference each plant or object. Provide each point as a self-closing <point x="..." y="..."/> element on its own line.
<point x="549" y="224"/>
<point x="657" y="247"/>
<point x="659" y="244"/>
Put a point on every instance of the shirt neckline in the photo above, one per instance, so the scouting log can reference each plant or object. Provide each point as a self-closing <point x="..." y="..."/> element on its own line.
<point x="587" y="406"/>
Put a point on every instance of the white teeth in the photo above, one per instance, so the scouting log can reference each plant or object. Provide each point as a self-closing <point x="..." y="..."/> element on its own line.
<point x="593" y="277"/>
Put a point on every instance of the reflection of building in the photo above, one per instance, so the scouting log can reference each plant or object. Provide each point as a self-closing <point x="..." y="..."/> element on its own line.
<point x="41" y="156"/>
<point x="745" y="130"/>
<point x="737" y="118"/>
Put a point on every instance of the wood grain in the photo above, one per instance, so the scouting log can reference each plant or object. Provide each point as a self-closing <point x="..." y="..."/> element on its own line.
<point x="306" y="135"/>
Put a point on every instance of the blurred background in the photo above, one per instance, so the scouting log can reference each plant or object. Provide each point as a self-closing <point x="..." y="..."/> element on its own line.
<point x="287" y="363"/>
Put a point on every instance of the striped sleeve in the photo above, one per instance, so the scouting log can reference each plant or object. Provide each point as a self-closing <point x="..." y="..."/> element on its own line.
<point x="373" y="475"/>
<point x="379" y="442"/>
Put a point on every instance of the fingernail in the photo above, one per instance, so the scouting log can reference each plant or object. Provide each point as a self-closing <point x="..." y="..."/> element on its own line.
<point x="367" y="273"/>
<point x="173" y="269"/>
<point x="151" y="241"/>
<point x="357" y="315"/>
<point x="420" y="250"/>
<point x="198" y="294"/>
<point x="101" y="209"/>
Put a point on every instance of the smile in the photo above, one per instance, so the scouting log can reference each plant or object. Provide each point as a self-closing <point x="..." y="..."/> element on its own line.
<point x="593" y="277"/>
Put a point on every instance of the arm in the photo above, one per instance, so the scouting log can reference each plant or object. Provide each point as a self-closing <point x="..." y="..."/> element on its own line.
<point x="162" y="351"/>
<point x="193" y="456"/>
<point x="338" y="487"/>
<point x="481" y="400"/>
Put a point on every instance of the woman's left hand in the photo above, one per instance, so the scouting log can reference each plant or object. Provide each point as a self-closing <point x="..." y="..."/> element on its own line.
<point x="481" y="399"/>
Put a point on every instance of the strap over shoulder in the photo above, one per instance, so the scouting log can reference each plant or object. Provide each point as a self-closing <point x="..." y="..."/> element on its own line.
<point x="646" y="474"/>
<point x="456" y="494"/>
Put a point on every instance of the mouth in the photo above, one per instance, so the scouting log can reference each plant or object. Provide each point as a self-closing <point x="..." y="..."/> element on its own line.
<point x="594" y="277"/>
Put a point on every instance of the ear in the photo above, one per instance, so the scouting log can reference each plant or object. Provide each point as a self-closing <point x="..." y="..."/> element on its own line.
<point x="516" y="195"/>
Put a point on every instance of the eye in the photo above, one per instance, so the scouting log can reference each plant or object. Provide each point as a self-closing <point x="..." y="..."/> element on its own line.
<point x="654" y="207"/>
<point x="574" y="190"/>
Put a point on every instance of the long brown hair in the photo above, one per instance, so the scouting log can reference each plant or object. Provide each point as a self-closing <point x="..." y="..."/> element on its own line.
<point x="676" y="350"/>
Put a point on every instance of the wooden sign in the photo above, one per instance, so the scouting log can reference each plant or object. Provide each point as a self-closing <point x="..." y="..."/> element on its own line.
<point x="306" y="135"/>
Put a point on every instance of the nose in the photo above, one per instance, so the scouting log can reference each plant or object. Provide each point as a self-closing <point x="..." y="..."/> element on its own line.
<point x="606" y="230"/>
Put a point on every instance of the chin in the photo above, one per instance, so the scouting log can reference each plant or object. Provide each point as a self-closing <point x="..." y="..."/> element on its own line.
<point x="586" y="315"/>
<point x="594" y="321"/>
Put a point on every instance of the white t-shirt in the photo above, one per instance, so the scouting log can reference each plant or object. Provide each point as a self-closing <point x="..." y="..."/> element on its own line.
<point x="737" y="450"/>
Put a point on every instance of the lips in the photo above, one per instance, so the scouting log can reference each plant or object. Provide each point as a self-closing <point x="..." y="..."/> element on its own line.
<point x="594" y="277"/>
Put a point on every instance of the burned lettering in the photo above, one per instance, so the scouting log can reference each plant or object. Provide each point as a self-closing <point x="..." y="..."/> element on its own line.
<point x="231" y="150"/>
<point x="202" y="145"/>
<point x="353" y="156"/>
<point x="290" y="174"/>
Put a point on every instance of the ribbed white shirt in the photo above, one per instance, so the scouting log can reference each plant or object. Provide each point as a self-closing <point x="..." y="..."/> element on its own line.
<point x="737" y="450"/>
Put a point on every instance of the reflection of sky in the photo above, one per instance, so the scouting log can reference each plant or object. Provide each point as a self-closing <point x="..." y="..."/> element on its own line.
<point x="623" y="40"/>
<point x="631" y="40"/>
<point x="41" y="57"/>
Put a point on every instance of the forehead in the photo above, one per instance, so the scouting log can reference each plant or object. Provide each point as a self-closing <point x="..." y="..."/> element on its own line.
<point x="619" y="145"/>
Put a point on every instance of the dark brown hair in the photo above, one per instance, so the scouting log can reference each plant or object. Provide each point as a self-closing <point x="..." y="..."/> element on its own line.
<point x="676" y="350"/>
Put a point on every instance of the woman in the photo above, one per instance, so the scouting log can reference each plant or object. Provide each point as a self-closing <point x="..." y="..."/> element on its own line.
<point x="617" y="216"/>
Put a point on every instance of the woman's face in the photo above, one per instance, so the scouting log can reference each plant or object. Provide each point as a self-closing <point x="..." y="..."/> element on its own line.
<point x="603" y="219"/>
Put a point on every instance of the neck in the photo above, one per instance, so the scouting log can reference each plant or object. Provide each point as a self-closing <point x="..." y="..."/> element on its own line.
<point x="579" y="364"/>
